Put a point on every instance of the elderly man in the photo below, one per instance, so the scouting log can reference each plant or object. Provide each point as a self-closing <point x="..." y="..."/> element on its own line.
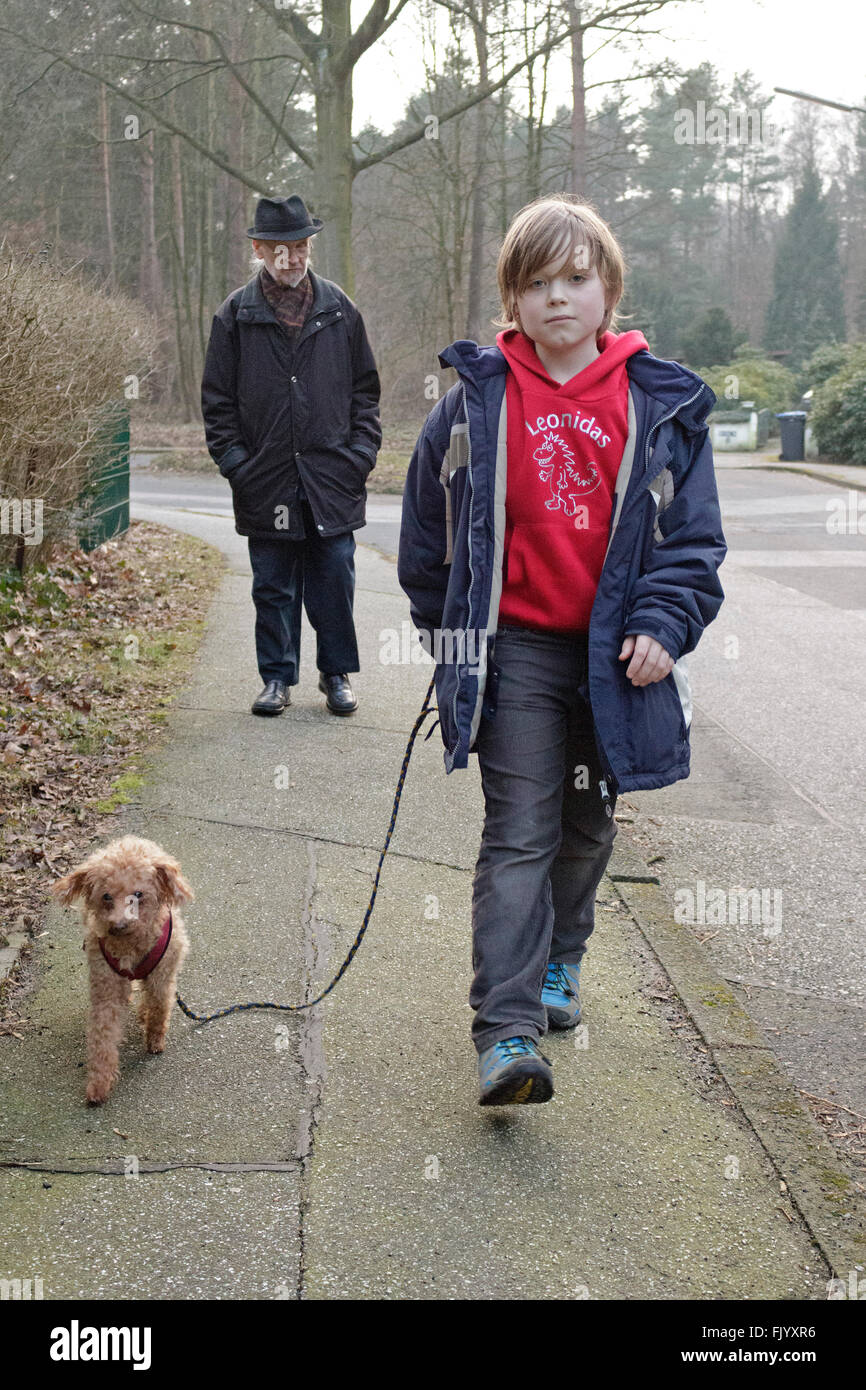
<point x="290" y="399"/>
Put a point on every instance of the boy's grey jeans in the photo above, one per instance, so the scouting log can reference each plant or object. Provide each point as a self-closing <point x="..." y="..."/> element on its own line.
<point x="546" y="841"/>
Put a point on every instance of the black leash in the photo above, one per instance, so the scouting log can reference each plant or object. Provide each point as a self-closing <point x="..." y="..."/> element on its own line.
<point x="426" y="709"/>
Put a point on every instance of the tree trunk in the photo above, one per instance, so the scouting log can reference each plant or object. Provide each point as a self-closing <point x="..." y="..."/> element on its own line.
<point x="180" y="288"/>
<point x="177" y="196"/>
<point x="533" y="138"/>
<point x="504" y="181"/>
<point x="150" y="278"/>
<point x="474" y="325"/>
<point x="578" y="105"/>
<point x="333" y="184"/>
<point x="334" y="171"/>
<point x="106" y="186"/>
<point x="237" y="257"/>
<point x="206" y="298"/>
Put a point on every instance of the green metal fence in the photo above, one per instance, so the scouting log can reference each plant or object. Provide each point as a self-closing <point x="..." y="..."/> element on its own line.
<point x="104" y="502"/>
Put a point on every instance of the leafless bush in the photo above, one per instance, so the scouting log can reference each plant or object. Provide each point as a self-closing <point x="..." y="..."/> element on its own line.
<point x="66" y="351"/>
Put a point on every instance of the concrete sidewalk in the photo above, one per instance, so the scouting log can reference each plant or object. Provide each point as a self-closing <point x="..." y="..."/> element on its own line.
<point x="845" y="475"/>
<point x="340" y="1153"/>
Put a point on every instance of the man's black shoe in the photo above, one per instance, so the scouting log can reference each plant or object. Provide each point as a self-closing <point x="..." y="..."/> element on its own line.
<point x="273" y="699"/>
<point x="341" y="699"/>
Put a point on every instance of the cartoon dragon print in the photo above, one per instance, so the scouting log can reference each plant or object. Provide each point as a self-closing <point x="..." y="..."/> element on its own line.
<point x="558" y="466"/>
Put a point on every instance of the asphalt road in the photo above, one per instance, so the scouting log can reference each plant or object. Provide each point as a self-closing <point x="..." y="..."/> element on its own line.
<point x="764" y="843"/>
<point x="211" y="496"/>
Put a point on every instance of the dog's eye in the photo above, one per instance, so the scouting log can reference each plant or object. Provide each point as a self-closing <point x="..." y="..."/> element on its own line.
<point x="107" y="898"/>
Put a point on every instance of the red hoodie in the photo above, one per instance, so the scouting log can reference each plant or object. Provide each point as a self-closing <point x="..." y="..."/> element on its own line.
<point x="565" y="446"/>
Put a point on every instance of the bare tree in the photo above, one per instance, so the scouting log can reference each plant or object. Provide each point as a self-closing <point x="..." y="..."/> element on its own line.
<point x="323" y="44"/>
<point x="620" y="23"/>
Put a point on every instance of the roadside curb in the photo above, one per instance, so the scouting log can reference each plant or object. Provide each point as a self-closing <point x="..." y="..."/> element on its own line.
<point x="819" y="1187"/>
<point x="834" y="478"/>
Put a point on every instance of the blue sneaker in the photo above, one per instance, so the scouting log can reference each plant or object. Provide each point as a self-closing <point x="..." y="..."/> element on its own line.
<point x="560" y="994"/>
<point x="514" y="1072"/>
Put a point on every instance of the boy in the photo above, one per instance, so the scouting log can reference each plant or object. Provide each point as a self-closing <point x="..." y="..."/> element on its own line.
<point x="561" y="518"/>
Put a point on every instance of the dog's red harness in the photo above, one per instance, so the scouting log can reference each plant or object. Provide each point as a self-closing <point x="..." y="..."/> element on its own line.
<point x="150" y="961"/>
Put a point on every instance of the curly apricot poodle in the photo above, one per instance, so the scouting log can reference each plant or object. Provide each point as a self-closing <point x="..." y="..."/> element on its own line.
<point x="130" y="892"/>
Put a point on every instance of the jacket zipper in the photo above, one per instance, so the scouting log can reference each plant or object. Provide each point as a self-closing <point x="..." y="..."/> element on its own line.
<point x="315" y="325"/>
<point x="670" y="416"/>
<point x="658" y="424"/>
<point x="469" y="555"/>
<point x="650" y="432"/>
<point x="605" y="762"/>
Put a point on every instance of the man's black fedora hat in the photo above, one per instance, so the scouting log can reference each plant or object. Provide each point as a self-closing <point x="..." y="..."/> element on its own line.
<point x="284" y="219"/>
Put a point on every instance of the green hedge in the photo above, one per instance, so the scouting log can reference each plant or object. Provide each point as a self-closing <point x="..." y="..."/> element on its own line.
<point x="838" y="415"/>
<point x="66" y="352"/>
<point x="770" y="385"/>
<point x="826" y="362"/>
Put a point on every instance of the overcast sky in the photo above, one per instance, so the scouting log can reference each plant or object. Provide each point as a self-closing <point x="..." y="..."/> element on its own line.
<point x="816" y="46"/>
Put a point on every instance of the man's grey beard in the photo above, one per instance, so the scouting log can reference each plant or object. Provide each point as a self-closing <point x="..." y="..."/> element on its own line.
<point x="284" y="278"/>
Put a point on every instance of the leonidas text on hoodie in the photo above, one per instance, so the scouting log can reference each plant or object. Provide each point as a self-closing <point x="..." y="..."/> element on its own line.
<point x="565" y="446"/>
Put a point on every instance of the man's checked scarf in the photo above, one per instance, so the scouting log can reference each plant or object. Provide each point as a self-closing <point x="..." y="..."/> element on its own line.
<point x="291" y="305"/>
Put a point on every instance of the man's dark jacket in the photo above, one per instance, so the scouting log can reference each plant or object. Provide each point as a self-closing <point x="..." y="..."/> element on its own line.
<point x="278" y="409"/>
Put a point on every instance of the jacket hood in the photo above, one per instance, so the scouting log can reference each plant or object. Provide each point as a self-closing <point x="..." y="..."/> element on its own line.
<point x="473" y="361"/>
<point x="597" y="379"/>
<point x="674" y="387"/>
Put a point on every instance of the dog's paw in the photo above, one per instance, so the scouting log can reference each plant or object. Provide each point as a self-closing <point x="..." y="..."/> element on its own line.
<point x="156" y="1044"/>
<point x="100" y="1084"/>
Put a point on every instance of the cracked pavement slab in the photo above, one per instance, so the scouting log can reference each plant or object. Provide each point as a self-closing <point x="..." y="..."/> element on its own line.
<point x="196" y="1235"/>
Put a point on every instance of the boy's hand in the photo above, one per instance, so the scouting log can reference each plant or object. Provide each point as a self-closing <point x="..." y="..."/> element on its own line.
<point x="650" y="661"/>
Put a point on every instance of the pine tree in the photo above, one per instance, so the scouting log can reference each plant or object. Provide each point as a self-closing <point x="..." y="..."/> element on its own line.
<point x="674" y="212"/>
<point x="711" y="340"/>
<point x="806" y="309"/>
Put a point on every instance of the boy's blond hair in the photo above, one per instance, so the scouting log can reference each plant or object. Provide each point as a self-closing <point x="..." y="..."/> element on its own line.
<point x="551" y="229"/>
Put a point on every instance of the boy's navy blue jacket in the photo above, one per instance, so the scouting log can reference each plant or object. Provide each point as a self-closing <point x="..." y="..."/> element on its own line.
<point x="659" y="575"/>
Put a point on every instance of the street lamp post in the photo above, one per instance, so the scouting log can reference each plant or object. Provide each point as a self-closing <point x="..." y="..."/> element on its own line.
<point x="822" y="101"/>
